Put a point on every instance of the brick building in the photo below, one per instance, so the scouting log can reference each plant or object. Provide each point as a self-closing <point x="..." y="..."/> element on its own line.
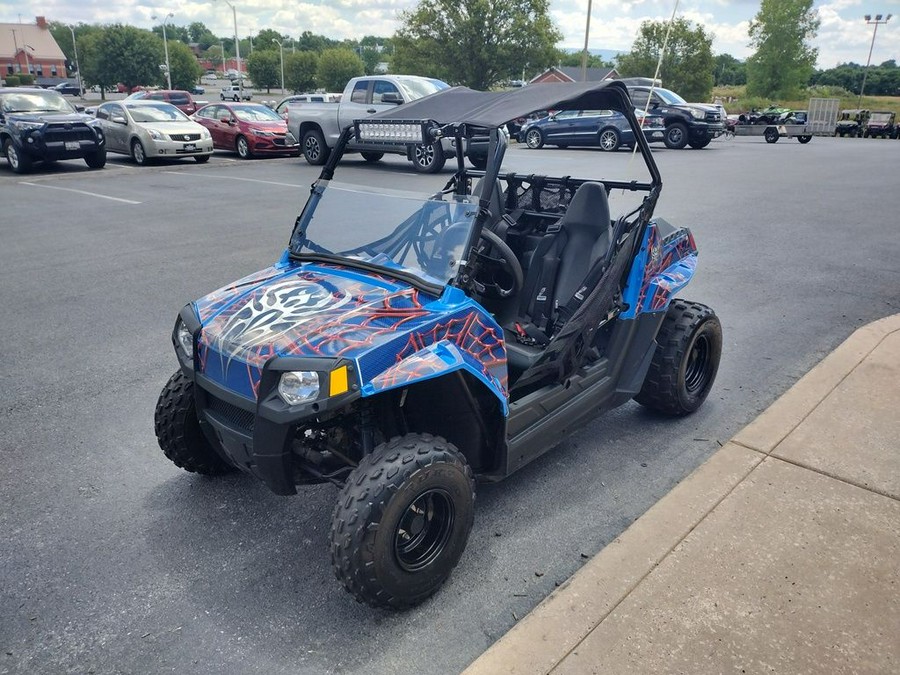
<point x="30" y="48"/>
<point x="573" y="74"/>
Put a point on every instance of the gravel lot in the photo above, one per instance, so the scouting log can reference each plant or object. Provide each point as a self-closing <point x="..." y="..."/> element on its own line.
<point x="115" y="561"/>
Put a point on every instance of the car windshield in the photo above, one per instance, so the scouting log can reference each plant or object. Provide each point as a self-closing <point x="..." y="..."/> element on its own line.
<point x="34" y="101"/>
<point x="155" y="112"/>
<point x="397" y="231"/>
<point x="255" y="113"/>
<point x="670" y="97"/>
<point x="419" y="88"/>
<point x="881" y="117"/>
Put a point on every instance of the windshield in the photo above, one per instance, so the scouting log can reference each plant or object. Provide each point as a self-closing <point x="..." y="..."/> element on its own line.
<point x="419" y="88"/>
<point x="256" y="113"/>
<point x="881" y="117"/>
<point x="155" y="112"/>
<point x="669" y="97"/>
<point x="35" y="101"/>
<point x="401" y="231"/>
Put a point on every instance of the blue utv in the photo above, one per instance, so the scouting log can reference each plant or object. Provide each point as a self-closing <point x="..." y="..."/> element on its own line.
<point x="404" y="347"/>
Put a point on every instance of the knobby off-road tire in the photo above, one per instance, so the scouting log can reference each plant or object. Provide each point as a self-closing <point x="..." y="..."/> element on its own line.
<point x="686" y="360"/>
<point x="402" y="521"/>
<point x="178" y="430"/>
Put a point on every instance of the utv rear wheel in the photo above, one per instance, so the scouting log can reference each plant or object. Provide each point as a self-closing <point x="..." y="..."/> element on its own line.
<point x="771" y="135"/>
<point x="686" y="360"/>
<point x="402" y="521"/>
<point x="178" y="430"/>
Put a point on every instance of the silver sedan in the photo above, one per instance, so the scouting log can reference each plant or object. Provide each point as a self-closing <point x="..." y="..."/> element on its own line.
<point x="149" y="130"/>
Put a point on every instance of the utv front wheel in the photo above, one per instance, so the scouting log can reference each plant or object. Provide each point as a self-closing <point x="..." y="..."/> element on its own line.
<point x="686" y="360"/>
<point x="402" y="521"/>
<point x="178" y="430"/>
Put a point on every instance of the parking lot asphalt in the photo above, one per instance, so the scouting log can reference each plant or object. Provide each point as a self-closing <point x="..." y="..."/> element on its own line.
<point x="115" y="561"/>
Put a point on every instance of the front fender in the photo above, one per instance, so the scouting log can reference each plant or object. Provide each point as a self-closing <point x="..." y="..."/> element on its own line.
<point x="439" y="359"/>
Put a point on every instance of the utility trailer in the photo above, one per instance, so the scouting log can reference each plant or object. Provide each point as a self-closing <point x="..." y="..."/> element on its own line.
<point x="821" y="120"/>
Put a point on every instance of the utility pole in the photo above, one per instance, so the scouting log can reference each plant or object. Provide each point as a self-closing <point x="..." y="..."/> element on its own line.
<point x="166" y="45"/>
<point x="584" y="55"/>
<point x="77" y="67"/>
<point x="237" y="50"/>
<point x="876" y="22"/>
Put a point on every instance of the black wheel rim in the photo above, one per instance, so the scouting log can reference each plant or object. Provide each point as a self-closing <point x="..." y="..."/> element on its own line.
<point x="675" y="135"/>
<point x="696" y="373"/>
<point x="424" y="530"/>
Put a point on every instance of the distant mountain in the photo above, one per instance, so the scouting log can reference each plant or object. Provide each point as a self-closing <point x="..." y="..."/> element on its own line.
<point x="605" y="54"/>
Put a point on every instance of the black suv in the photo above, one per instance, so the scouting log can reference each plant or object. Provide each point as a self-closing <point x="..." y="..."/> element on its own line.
<point x="38" y="125"/>
<point x="694" y="124"/>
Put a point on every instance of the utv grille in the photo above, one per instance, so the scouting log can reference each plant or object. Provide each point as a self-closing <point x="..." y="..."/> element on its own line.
<point x="238" y="417"/>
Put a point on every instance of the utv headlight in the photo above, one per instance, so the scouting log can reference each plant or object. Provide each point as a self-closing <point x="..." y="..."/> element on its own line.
<point x="698" y="114"/>
<point x="297" y="387"/>
<point x="185" y="339"/>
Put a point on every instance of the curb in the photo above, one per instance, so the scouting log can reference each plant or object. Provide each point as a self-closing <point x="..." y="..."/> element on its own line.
<point x="541" y="640"/>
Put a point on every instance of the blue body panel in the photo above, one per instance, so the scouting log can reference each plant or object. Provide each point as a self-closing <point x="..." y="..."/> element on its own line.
<point x="662" y="267"/>
<point x="395" y="334"/>
<point x="583" y="127"/>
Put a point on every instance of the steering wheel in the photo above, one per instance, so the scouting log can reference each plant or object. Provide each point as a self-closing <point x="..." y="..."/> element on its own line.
<point x="507" y="262"/>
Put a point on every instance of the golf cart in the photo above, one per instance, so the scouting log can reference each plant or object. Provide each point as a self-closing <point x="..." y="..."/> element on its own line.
<point x="405" y="346"/>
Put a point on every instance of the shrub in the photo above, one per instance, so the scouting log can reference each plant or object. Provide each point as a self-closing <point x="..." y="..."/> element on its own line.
<point x="12" y="80"/>
<point x="26" y="79"/>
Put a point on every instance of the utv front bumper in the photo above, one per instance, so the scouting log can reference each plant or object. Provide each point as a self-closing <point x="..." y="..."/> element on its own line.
<point x="258" y="436"/>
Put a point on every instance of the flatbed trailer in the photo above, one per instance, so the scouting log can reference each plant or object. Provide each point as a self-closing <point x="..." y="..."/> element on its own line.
<point x="821" y="120"/>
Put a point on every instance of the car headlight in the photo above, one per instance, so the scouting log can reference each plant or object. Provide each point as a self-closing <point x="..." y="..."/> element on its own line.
<point x="27" y="126"/>
<point x="262" y="132"/>
<point x="698" y="114"/>
<point x="185" y="339"/>
<point x="155" y="135"/>
<point x="205" y="135"/>
<point x="297" y="387"/>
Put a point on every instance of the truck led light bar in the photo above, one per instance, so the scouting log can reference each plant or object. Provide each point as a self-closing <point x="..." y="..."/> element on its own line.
<point x="393" y="131"/>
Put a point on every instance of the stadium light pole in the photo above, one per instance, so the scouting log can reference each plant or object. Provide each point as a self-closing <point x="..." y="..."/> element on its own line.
<point x="166" y="45"/>
<point x="77" y="67"/>
<point x="237" y="49"/>
<point x="877" y="21"/>
<point x="584" y="56"/>
<point x="281" y="49"/>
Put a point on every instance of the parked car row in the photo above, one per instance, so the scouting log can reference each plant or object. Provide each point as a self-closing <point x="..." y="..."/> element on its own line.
<point x="40" y="125"/>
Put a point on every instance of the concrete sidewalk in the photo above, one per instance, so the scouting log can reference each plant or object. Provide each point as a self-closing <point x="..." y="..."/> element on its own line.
<point x="780" y="554"/>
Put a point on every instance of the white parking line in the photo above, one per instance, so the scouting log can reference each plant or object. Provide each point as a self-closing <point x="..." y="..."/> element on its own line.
<point x="81" y="192"/>
<point x="247" y="180"/>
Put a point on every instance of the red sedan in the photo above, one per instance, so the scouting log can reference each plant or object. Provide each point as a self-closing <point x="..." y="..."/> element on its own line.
<point x="247" y="128"/>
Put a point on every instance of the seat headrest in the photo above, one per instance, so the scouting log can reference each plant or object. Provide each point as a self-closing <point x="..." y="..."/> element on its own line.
<point x="588" y="210"/>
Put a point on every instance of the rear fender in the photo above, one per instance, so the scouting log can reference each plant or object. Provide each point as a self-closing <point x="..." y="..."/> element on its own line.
<point x="436" y="360"/>
<point x="664" y="265"/>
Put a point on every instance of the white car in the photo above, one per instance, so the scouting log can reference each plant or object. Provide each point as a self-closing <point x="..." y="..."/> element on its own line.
<point x="149" y="130"/>
<point x="235" y="93"/>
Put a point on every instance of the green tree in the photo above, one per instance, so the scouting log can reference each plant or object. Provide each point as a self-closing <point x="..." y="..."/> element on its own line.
<point x="336" y="67"/>
<point x="300" y="71"/>
<point x="574" y="60"/>
<point x="729" y="70"/>
<point x="687" y="66"/>
<point x="173" y="32"/>
<point x="479" y="43"/>
<point x="264" y="68"/>
<point x="268" y="39"/>
<point x="202" y="35"/>
<point x="186" y="69"/>
<point x="311" y="42"/>
<point x="121" y="54"/>
<point x="214" y="55"/>
<point x="784" y="59"/>
<point x="63" y="36"/>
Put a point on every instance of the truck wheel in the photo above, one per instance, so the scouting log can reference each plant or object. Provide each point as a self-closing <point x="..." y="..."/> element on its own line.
<point x="96" y="160"/>
<point x="428" y="158"/>
<point x="243" y="148"/>
<point x="178" y="430"/>
<point x="609" y="140"/>
<point x="18" y="162"/>
<point x="372" y="156"/>
<point x="699" y="145"/>
<point x="771" y="135"/>
<point x="402" y="521"/>
<point x="478" y="161"/>
<point x="314" y="149"/>
<point x="804" y="139"/>
<point x="534" y="139"/>
<point x="684" y="366"/>
<point x="676" y="136"/>
<point x="138" y="154"/>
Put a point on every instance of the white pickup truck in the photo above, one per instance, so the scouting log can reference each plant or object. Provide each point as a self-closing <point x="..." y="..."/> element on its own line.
<point x="319" y="125"/>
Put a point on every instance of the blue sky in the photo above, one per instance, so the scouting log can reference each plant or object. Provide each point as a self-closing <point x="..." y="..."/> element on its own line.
<point x="843" y="36"/>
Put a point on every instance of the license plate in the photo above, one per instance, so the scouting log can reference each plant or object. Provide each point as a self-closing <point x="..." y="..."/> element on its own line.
<point x="657" y="134"/>
<point x="190" y="146"/>
<point x="73" y="145"/>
